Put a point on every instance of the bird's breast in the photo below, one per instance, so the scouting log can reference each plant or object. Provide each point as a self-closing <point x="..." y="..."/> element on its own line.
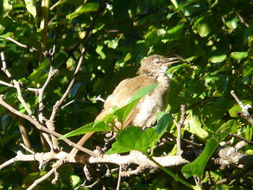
<point x="149" y="106"/>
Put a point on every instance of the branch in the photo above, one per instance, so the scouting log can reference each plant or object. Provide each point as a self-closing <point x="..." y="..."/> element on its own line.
<point x="42" y="128"/>
<point x="64" y="96"/>
<point x="245" y="109"/>
<point x="179" y="126"/>
<point x="16" y="84"/>
<point x="139" y="159"/>
<point x="59" y="103"/>
<point x="230" y="156"/>
<point x="19" y="44"/>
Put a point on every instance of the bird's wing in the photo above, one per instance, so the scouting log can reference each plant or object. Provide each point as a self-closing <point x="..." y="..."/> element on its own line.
<point x="123" y="93"/>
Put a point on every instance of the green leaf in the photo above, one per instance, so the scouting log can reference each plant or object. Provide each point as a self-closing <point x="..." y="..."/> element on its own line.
<point x="36" y="74"/>
<point x="232" y="23"/>
<point x="236" y="108"/>
<point x="202" y="27"/>
<point x="176" y="29"/>
<point x="217" y="56"/>
<point x="75" y="180"/>
<point x="133" y="138"/>
<point x="142" y="92"/>
<point x="193" y="125"/>
<point x="196" y="168"/>
<point x="90" y="127"/>
<point x="239" y="55"/>
<point x="31" y="7"/>
<point x="164" y="120"/>
<point x="87" y="7"/>
<point x="99" y="51"/>
<point x="7" y="6"/>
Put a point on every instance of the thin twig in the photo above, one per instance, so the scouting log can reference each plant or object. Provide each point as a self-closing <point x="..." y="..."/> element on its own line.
<point x="6" y="84"/>
<point x="241" y="138"/>
<point x="67" y="104"/>
<point x="16" y="84"/>
<point x="12" y="86"/>
<point x="241" y="19"/>
<point x="19" y="44"/>
<point x="98" y="98"/>
<point x="27" y="149"/>
<point x="64" y="96"/>
<point x="119" y="177"/>
<point x="4" y="65"/>
<point x="80" y="62"/>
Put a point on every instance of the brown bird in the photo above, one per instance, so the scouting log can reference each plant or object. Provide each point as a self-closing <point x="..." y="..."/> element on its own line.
<point x="153" y="70"/>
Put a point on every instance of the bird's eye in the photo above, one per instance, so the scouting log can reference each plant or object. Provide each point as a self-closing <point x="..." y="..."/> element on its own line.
<point x="156" y="61"/>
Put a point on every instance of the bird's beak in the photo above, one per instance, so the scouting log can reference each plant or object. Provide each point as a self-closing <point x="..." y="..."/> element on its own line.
<point x="172" y="60"/>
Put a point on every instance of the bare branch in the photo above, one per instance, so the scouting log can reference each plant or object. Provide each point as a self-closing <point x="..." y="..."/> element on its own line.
<point x="179" y="126"/>
<point x="41" y="93"/>
<point x="64" y="96"/>
<point x="42" y="128"/>
<point x="80" y="61"/>
<point x="4" y="66"/>
<point x="20" y="97"/>
<point x="19" y="44"/>
<point x="99" y="98"/>
<point x="119" y="178"/>
<point x="245" y="109"/>
<point x="140" y="159"/>
<point x="27" y="149"/>
<point x="12" y="86"/>
<point x="16" y="84"/>
<point x="241" y="19"/>
<point x="230" y="156"/>
<point x="6" y="84"/>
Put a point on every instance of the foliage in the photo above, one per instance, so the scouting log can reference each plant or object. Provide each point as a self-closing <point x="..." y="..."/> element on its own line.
<point x="214" y="37"/>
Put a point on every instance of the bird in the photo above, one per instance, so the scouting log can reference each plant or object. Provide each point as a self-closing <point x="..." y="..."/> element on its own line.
<point x="152" y="70"/>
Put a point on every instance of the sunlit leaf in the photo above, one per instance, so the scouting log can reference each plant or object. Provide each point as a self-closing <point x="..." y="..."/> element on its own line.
<point x="193" y="125"/>
<point x="236" y="108"/>
<point x="36" y="74"/>
<point x="31" y="7"/>
<point x="217" y="57"/>
<point x="87" y="7"/>
<point x="196" y="168"/>
<point x="7" y="6"/>
<point x="133" y="138"/>
<point x="75" y="180"/>
<point x="239" y="55"/>
<point x="232" y="23"/>
<point x="202" y="27"/>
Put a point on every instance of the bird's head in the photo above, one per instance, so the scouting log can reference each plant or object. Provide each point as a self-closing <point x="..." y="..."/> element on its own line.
<point x="156" y="65"/>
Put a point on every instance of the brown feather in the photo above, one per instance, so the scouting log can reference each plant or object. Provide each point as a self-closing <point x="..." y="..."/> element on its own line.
<point x="123" y="93"/>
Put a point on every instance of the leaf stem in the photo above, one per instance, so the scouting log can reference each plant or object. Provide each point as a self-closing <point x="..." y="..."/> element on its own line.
<point x="171" y="174"/>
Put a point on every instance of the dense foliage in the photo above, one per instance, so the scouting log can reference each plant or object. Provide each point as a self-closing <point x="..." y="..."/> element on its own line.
<point x="214" y="38"/>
